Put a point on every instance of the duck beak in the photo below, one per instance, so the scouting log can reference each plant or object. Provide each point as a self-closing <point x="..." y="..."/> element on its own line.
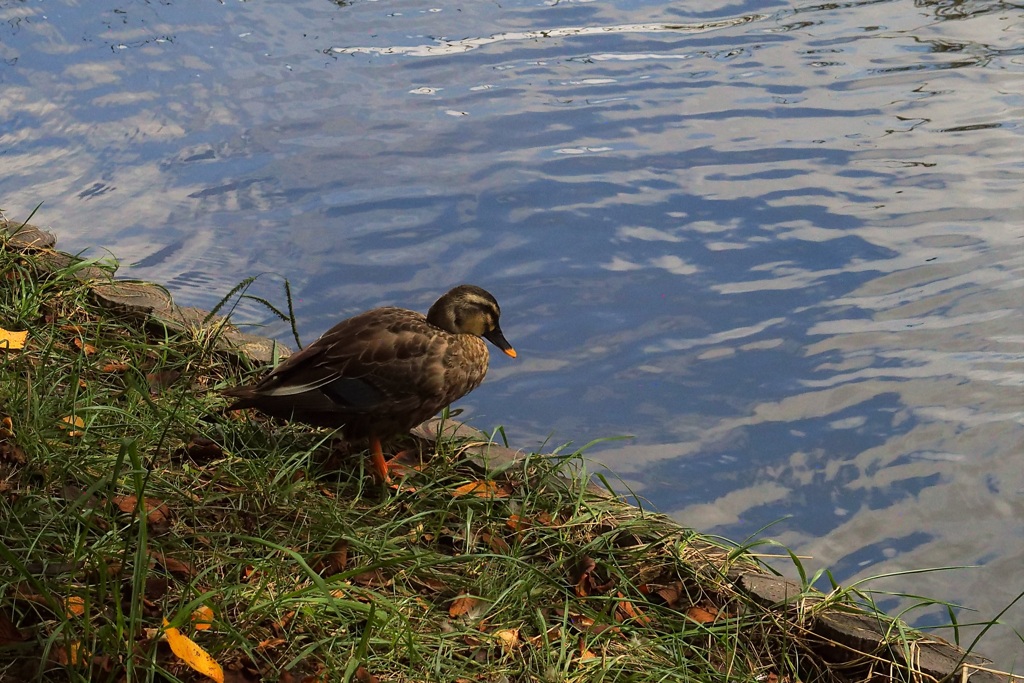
<point x="498" y="339"/>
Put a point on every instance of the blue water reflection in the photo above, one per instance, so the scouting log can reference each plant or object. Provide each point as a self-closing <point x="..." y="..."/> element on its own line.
<point x="780" y="245"/>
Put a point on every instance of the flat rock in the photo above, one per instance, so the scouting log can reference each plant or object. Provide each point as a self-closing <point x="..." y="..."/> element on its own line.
<point x="256" y="349"/>
<point x="928" y="656"/>
<point x="480" y="450"/>
<point x="772" y="591"/>
<point x="847" y="633"/>
<point x="187" y="319"/>
<point x="488" y="456"/>
<point x="133" y="298"/>
<point x="858" y="631"/>
<point x="27" y="237"/>
<point x="938" y="658"/>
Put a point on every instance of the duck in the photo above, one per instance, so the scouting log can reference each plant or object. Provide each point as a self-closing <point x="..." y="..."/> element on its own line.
<point x="382" y="372"/>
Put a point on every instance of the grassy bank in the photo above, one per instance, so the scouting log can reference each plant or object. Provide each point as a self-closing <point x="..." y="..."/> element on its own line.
<point x="133" y="506"/>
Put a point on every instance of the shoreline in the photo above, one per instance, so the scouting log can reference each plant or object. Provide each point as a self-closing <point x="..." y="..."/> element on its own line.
<point x="716" y="587"/>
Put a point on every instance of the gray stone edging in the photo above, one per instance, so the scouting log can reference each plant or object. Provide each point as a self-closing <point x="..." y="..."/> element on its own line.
<point x="144" y="302"/>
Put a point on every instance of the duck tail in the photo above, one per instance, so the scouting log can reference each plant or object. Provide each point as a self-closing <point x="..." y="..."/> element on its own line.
<point x="245" y="396"/>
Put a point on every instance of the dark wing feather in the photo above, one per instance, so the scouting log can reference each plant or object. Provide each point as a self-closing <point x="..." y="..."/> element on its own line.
<point x="383" y="371"/>
<point x="370" y="362"/>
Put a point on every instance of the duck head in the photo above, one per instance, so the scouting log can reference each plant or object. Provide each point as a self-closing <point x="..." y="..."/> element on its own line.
<point x="468" y="309"/>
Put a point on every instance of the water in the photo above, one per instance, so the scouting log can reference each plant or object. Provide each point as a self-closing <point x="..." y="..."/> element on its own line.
<point x="782" y="245"/>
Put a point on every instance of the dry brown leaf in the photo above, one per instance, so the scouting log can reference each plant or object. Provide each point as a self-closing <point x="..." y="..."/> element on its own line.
<point x="6" y="428"/>
<point x="671" y="594"/>
<point x="270" y="643"/>
<point x="701" y="615"/>
<point x="12" y="341"/>
<point x="9" y="633"/>
<point x="158" y="381"/>
<point x="406" y="462"/>
<point x="156" y="588"/>
<point x="202" y="618"/>
<point x="21" y="593"/>
<point x="585" y="654"/>
<point x="462" y="605"/>
<point x="588" y="583"/>
<point x="372" y="578"/>
<point x="586" y="624"/>
<point x="114" y="367"/>
<point x="517" y="523"/>
<point x="552" y="635"/>
<point x="471" y="640"/>
<point x="174" y="566"/>
<point x="203" y="450"/>
<point x="280" y="625"/>
<point x="84" y="347"/>
<point x="158" y="514"/>
<point x="625" y="609"/>
<point x="126" y="504"/>
<point x="192" y="654"/>
<point x="364" y="676"/>
<point x="73" y="654"/>
<point x="584" y="567"/>
<point x="11" y="452"/>
<point x="428" y="584"/>
<point x="495" y="543"/>
<point x="334" y="561"/>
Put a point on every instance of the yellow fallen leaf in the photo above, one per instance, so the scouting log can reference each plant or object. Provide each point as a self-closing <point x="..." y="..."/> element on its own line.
<point x="508" y="638"/>
<point x="481" y="489"/>
<point x="75" y="606"/>
<point x="193" y="655"/>
<point x="12" y="340"/>
<point x="69" y="423"/>
<point x="202" y="618"/>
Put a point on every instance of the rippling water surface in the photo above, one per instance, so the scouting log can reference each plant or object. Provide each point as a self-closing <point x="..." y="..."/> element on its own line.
<point x="782" y="245"/>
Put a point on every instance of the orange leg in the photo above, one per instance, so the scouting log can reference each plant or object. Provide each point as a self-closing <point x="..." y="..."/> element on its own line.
<point x="380" y="466"/>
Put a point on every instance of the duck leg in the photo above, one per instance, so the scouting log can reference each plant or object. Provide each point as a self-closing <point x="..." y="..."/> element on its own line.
<point x="380" y="465"/>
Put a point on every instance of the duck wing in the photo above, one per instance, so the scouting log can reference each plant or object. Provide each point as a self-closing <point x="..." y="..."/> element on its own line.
<point x="388" y="360"/>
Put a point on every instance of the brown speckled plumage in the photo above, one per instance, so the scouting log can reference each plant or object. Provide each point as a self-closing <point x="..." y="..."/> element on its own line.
<point x="384" y="371"/>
